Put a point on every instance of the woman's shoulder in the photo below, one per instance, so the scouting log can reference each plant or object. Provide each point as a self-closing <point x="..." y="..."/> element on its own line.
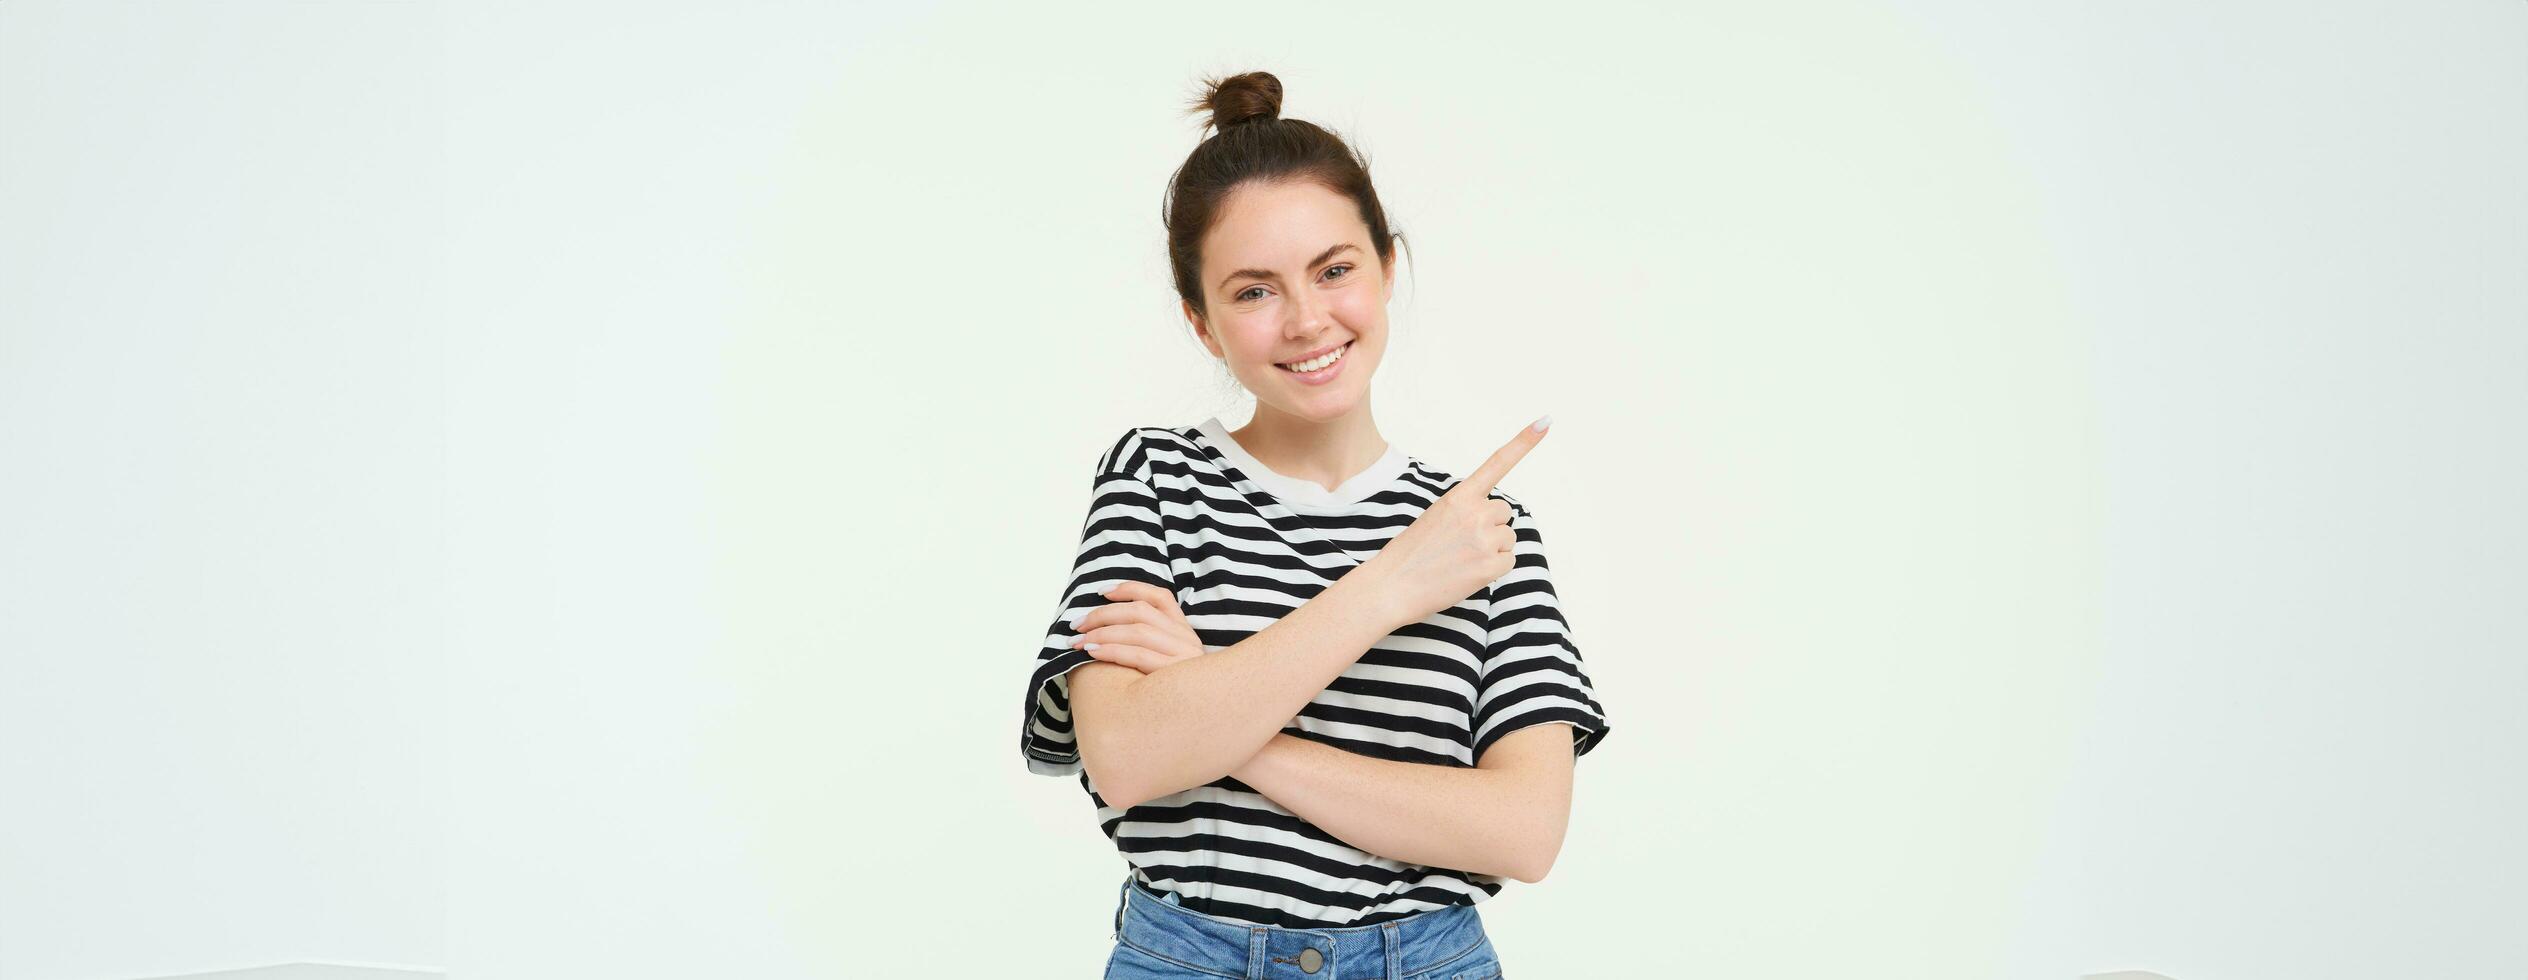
<point x="1139" y="449"/>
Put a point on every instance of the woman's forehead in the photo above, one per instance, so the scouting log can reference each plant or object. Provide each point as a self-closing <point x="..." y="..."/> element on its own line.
<point x="1281" y="225"/>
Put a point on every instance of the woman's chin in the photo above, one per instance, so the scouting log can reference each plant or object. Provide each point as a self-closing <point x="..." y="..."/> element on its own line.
<point x="1319" y="404"/>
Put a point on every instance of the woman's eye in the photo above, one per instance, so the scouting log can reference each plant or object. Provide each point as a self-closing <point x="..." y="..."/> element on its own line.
<point x="1248" y="294"/>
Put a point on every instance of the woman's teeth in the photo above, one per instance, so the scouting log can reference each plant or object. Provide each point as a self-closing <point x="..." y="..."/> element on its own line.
<point x="1321" y="363"/>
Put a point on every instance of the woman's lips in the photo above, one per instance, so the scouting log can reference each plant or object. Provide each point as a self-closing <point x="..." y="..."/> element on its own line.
<point x="1323" y="374"/>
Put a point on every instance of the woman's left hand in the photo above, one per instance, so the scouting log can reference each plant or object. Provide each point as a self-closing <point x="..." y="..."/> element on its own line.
<point x="1141" y="628"/>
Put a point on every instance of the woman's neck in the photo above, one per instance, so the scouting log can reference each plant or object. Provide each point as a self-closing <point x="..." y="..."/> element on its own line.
<point x="1323" y="453"/>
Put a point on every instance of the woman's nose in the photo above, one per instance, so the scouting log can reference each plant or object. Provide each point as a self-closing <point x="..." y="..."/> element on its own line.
<point x="1307" y="318"/>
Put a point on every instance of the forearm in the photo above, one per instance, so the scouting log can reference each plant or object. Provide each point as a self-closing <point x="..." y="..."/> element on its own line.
<point x="1193" y="721"/>
<point x="1484" y="821"/>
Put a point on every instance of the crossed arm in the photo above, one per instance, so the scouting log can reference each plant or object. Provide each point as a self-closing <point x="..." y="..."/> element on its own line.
<point x="1505" y="816"/>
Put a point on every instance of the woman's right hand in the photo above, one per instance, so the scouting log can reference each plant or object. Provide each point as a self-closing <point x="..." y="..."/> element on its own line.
<point x="1460" y="544"/>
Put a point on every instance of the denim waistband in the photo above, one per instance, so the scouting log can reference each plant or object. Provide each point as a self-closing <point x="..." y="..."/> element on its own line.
<point x="1152" y="923"/>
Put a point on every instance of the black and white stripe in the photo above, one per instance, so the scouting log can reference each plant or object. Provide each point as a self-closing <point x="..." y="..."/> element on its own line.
<point x="1172" y="507"/>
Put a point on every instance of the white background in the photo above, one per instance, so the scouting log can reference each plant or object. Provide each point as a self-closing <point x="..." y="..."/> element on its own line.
<point x="575" y="491"/>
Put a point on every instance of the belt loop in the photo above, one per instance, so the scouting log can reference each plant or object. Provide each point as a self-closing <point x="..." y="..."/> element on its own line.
<point x="1255" y="953"/>
<point x="1390" y="937"/>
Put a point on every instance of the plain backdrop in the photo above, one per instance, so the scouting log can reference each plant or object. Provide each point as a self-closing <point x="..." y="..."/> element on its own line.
<point x="542" y="490"/>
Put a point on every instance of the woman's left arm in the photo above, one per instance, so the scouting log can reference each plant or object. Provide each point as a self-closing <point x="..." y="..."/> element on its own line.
<point x="1505" y="816"/>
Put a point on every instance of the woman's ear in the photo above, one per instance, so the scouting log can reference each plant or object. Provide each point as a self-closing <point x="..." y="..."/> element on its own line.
<point x="1201" y="332"/>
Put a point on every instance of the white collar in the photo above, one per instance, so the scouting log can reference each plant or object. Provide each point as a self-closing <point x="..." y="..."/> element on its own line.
<point x="1302" y="494"/>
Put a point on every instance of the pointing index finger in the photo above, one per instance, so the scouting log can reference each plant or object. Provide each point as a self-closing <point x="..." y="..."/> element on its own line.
<point x="1486" y="477"/>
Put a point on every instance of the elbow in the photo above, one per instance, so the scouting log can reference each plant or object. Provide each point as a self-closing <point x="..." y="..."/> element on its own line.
<point x="1531" y="864"/>
<point x="1544" y="845"/>
<point x="1105" y="753"/>
<point x="1128" y="789"/>
<point x="1120" y="786"/>
<point x="1124" y="797"/>
<point x="1113" y="788"/>
<point x="1533" y="869"/>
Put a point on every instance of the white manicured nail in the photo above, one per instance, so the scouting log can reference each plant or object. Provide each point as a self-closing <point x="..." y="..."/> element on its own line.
<point x="1541" y="422"/>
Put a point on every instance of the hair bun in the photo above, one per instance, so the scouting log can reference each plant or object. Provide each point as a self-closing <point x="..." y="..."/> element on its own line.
<point x="1254" y="96"/>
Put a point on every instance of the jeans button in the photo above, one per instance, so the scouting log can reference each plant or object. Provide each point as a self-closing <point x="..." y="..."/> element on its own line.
<point x="1310" y="960"/>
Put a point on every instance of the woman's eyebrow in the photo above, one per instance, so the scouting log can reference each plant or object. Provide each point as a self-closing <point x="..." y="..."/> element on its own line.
<point x="1312" y="263"/>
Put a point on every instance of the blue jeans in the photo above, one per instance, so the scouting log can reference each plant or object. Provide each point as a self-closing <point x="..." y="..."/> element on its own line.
<point x="1157" y="938"/>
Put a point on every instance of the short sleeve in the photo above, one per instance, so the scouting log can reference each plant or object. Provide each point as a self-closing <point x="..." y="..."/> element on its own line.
<point x="1122" y="538"/>
<point x="1532" y="673"/>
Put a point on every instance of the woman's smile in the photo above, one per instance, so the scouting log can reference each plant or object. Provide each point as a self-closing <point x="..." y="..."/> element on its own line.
<point x="1326" y="366"/>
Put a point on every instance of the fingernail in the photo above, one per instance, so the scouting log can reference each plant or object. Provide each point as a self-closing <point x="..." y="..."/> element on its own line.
<point x="1541" y="422"/>
<point x="1088" y="646"/>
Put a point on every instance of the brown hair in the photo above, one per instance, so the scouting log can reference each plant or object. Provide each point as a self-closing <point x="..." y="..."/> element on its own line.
<point x="1252" y="142"/>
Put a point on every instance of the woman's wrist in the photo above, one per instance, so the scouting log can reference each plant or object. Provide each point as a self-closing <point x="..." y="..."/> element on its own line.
<point x="1364" y="595"/>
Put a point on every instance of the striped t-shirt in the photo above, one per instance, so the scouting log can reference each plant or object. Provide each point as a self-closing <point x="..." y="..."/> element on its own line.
<point x="1189" y="510"/>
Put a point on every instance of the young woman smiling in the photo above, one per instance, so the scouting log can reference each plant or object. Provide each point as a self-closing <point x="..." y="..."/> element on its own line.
<point x="1321" y="694"/>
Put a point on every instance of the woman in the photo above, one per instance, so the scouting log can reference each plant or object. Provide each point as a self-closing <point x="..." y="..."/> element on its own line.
<point x="1311" y="683"/>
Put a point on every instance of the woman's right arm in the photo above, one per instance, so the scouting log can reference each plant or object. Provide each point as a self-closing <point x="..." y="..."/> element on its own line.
<point x="1144" y="736"/>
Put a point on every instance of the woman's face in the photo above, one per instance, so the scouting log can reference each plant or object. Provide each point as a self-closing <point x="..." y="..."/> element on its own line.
<point x="1289" y="271"/>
